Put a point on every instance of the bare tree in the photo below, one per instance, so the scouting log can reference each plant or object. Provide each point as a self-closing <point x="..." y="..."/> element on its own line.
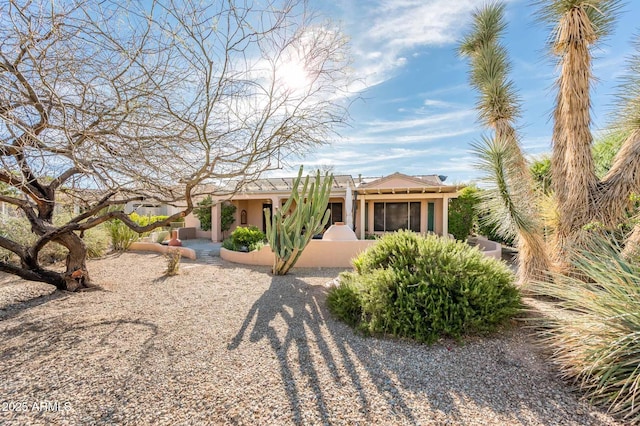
<point x="102" y="104"/>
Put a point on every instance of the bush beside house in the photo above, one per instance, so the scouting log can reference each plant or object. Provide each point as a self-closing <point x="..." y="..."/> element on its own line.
<point x="248" y="238"/>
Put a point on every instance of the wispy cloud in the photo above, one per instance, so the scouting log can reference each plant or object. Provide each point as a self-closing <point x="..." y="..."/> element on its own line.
<point x="387" y="32"/>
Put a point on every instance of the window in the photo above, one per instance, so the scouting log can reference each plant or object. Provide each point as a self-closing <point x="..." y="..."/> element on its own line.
<point x="336" y="212"/>
<point x="394" y="216"/>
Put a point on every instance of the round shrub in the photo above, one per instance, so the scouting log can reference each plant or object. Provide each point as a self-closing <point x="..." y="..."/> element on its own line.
<point x="250" y="237"/>
<point x="424" y="288"/>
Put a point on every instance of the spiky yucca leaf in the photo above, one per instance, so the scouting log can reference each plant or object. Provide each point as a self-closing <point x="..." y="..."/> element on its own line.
<point x="595" y="336"/>
<point x="623" y="178"/>
<point x="508" y="206"/>
<point x="561" y="13"/>
<point x="500" y="201"/>
<point x="489" y="25"/>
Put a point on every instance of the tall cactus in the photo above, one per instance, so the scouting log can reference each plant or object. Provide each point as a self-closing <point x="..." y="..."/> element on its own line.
<point x="289" y="233"/>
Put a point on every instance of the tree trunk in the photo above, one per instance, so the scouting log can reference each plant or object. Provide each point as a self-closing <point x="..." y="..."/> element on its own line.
<point x="76" y="276"/>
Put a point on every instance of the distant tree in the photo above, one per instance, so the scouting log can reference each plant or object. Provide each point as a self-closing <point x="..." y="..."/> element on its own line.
<point x="102" y="103"/>
<point x="203" y="213"/>
<point x="463" y="212"/>
<point x="541" y="172"/>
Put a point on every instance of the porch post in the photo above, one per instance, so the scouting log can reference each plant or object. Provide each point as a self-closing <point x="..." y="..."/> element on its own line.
<point x="445" y="216"/>
<point x="216" y="234"/>
<point x="275" y="203"/>
<point x="363" y="206"/>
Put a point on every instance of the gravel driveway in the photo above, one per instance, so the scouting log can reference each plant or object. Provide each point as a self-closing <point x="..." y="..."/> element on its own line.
<point x="223" y="344"/>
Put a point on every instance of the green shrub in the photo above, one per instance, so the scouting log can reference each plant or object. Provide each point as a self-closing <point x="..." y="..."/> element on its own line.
<point x="121" y="235"/>
<point x="462" y="213"/>
<point x="594" y="339"/>
<point x="344" y="303"/>
<point x="424" y="288"/>
<point x="97" y="240"/>
<point x="203" y="213"/>
<point x="229" y="244"/>
<point x="18" y="229"/>
<point x="145" y="220"/>
<point x="250" y="237"/>
<point x="161" y="236"/>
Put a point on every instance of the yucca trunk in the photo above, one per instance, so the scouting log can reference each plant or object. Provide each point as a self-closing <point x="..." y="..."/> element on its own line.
<point x="498" y="108"/>
<point x="573" y="172"/>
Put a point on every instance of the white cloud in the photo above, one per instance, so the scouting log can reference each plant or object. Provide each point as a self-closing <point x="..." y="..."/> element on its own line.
<point x="385" y="33"/>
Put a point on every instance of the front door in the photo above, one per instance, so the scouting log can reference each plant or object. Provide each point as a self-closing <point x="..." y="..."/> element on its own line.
<point x="431" y="217"/>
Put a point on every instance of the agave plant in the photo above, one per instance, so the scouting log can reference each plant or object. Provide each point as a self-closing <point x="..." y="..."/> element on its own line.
<point x="594" y="335"/>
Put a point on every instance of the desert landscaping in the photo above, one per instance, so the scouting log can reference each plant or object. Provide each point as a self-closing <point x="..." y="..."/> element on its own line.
<point x="227" y="344"/>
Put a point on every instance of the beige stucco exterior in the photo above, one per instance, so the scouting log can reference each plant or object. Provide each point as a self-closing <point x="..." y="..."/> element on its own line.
<point x="364" y="194"/>
<point x="318" y="254"/>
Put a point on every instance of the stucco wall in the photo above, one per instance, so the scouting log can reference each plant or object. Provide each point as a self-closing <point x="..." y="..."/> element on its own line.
<point x="159" y="248"/>
<point x="318" y="254"/>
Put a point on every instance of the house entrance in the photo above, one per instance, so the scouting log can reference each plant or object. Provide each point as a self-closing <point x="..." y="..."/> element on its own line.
<point x="264" y="220"/>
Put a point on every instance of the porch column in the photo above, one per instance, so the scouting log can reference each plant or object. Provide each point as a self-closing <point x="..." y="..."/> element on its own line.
<point x="216" y="233"/>
<point x="275" y="203"/>
<point x="445" y="217"/>
<point x="363" y="206"/>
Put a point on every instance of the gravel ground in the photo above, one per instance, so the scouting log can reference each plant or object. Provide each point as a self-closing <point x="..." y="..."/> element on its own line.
<point x="223" y="344"/>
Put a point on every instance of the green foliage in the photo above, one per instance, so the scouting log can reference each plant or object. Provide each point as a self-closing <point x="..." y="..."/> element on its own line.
<point x="203" y="213"/>
<point x="541" y="172"/>
<point x="594" y="338"/>
<point x="227" y="216"/>
<point x="462" y="213"/>
<point x="18" y="229"/>
<point x="344" y="302"/>
<point x="289" y="233"/>
<point x="161" y="236"/>
<point x="605" y="149"/>
<point x="424" y="288"/>
<point x="121" y="235"/>
<point x="146" y="220"/>
<point x="97" y="240"/>
<point x="249" y="237"/>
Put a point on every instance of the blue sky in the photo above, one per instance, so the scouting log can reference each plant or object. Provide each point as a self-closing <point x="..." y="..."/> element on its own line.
<point x="416" y="111"/>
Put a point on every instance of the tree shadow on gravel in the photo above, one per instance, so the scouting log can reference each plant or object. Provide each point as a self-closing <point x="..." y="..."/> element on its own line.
<point x="501" y="375"/>
<point x="302" y="307"/>
<point x="12" y="310"/>
<point x="297" y="304"/>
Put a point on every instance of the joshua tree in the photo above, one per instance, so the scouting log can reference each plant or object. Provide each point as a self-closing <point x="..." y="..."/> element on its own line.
<point x="513" y="199"/>
<point x="580" y="197"/>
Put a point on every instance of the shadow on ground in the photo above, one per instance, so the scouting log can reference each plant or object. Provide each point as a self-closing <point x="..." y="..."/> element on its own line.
<point x="399" y="377"/>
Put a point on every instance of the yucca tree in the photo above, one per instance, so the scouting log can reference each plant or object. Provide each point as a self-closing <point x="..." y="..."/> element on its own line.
<point x="578" y="25"/>
<point x="580" y="197"/>
<point x="512" y="202"/>
<point x="623" y="177"/>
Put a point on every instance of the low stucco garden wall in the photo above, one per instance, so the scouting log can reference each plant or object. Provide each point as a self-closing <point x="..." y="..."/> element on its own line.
<point x="318" y="254"/>
<point x="489" y="248"/>
<point x="159" y="248"/>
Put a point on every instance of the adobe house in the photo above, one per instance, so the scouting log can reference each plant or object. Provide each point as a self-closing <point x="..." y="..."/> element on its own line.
<point x="385" y="204"/>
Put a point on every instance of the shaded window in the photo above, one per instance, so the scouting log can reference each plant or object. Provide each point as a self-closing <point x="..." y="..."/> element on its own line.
<point x="395" y="216"/>
<point x="336" y="212"/>
<point x="414" y="217"/>
<point x="378" y="216"/>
